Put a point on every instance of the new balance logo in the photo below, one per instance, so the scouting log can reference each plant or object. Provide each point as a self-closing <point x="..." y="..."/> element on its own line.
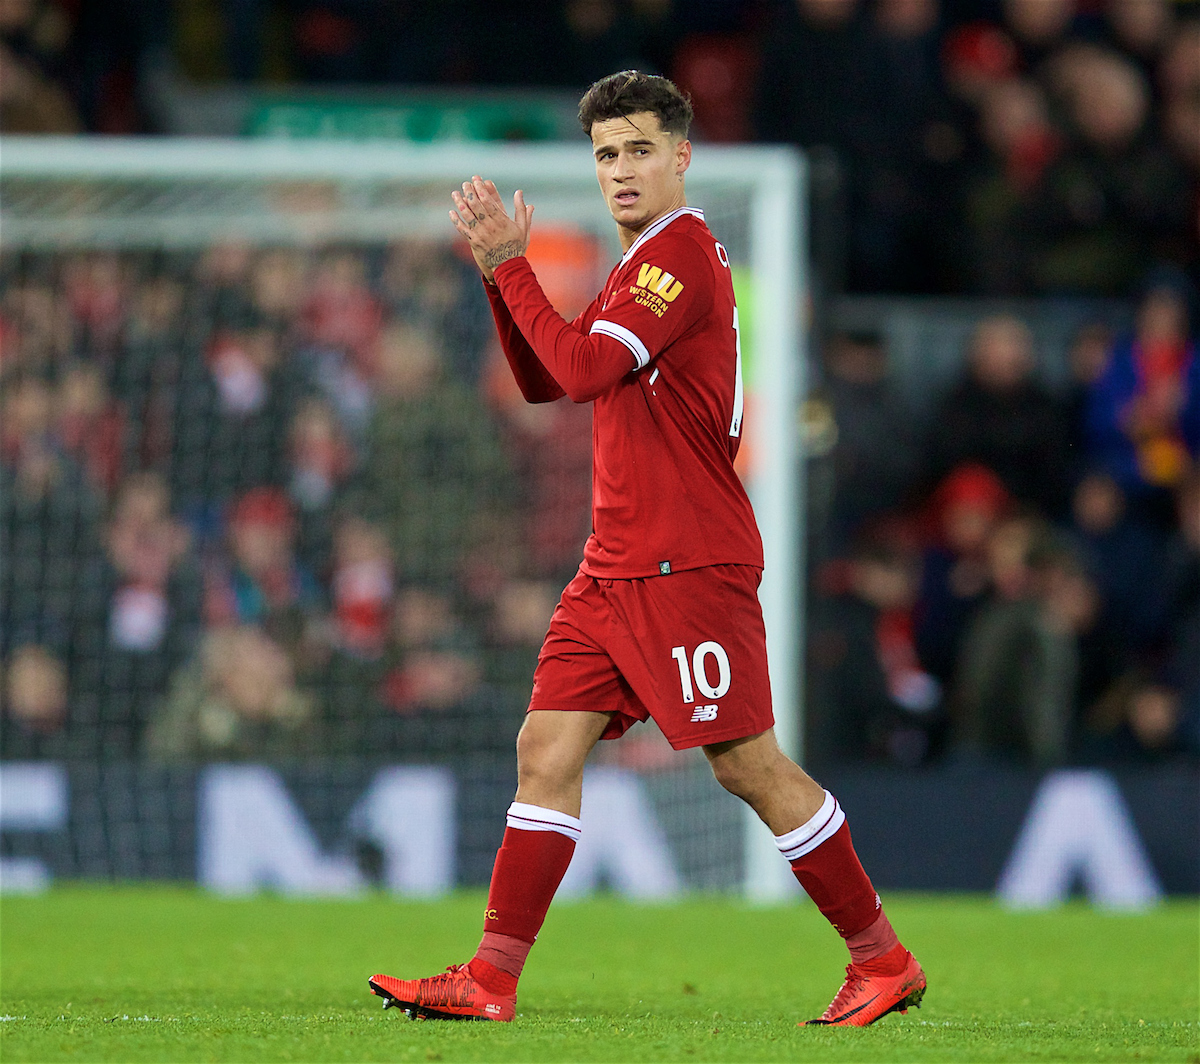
<point x="704" y="713"/>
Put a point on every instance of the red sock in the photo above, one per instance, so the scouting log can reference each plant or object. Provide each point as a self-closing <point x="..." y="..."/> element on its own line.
<point x="504" y="953"/>
<point x="537" y="848"/>
<point x="877" y="948"/>
<point x="823" y="860"/>
<point x="893" y="962"/>
<point x="494" y="980"/>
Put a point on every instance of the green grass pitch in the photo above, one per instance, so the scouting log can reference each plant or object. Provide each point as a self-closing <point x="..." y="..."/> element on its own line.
<point x="170" y="974"/>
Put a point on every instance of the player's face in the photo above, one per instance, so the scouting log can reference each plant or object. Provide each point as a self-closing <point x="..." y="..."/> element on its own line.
<point x="640" y="167"/>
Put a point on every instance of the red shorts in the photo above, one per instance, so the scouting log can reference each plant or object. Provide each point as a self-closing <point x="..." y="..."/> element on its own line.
<point x="688" y="649"/>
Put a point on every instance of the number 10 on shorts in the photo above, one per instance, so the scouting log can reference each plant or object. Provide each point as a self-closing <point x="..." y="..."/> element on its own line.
<point x="699" y="673"/>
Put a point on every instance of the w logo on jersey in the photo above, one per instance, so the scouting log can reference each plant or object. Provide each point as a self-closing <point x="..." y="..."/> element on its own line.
<point x="654" y="279"/>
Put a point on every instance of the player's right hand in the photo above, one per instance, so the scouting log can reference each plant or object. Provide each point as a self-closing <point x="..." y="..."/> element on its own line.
<point x="480" y="217"/>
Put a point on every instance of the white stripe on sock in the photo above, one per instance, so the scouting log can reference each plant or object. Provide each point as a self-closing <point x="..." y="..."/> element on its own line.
<point x="809" y="835"/>
<point x="535" y="818"/>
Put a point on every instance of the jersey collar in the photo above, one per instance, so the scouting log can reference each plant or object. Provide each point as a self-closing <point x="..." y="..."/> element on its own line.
<point x="657" y="227"/>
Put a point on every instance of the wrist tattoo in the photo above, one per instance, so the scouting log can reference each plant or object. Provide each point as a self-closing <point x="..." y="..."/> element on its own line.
<point x="502" y="253"/>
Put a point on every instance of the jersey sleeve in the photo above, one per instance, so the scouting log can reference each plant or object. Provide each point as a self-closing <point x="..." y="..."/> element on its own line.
<point x="585" y="366"/>
<point x="534" y="380"/>
<point x="661" y="294"/>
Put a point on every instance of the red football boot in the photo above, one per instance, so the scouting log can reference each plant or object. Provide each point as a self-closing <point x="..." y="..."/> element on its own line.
<point x="865" y="997"/>
<point x="453" y="995"/>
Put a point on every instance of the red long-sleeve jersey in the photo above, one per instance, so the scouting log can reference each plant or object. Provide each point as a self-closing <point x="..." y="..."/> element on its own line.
<point x="658" y="353"/>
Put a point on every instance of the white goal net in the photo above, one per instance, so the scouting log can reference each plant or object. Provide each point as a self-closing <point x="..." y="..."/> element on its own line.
<point x="269" y="497"/>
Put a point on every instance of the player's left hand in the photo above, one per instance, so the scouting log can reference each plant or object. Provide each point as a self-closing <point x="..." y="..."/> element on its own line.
<point x="479" y="215"/>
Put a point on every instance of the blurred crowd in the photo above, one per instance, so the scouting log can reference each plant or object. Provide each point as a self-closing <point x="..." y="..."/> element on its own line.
<point x="981" y="146"/>
<point x="268" y="503"/>
<point x="1015" y="577"/>
<point x="271" y="503"/>
<point x="1001" y="147"/>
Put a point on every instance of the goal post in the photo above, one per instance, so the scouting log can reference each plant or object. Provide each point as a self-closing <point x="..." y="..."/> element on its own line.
<point x="59" y="194"/>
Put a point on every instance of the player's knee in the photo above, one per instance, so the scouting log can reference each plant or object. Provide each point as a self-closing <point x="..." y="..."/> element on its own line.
<point x="735" y="776"/>
<point x="532" y="748"/>
<point x="752" y="772"/>
<point x="543" y="757"/>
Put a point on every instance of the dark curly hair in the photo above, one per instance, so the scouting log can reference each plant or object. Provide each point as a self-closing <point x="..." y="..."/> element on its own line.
<point x="630" y="92"/>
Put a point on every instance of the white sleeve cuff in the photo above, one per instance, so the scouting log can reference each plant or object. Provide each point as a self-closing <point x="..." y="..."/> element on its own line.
<point x="641" y="356"/>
